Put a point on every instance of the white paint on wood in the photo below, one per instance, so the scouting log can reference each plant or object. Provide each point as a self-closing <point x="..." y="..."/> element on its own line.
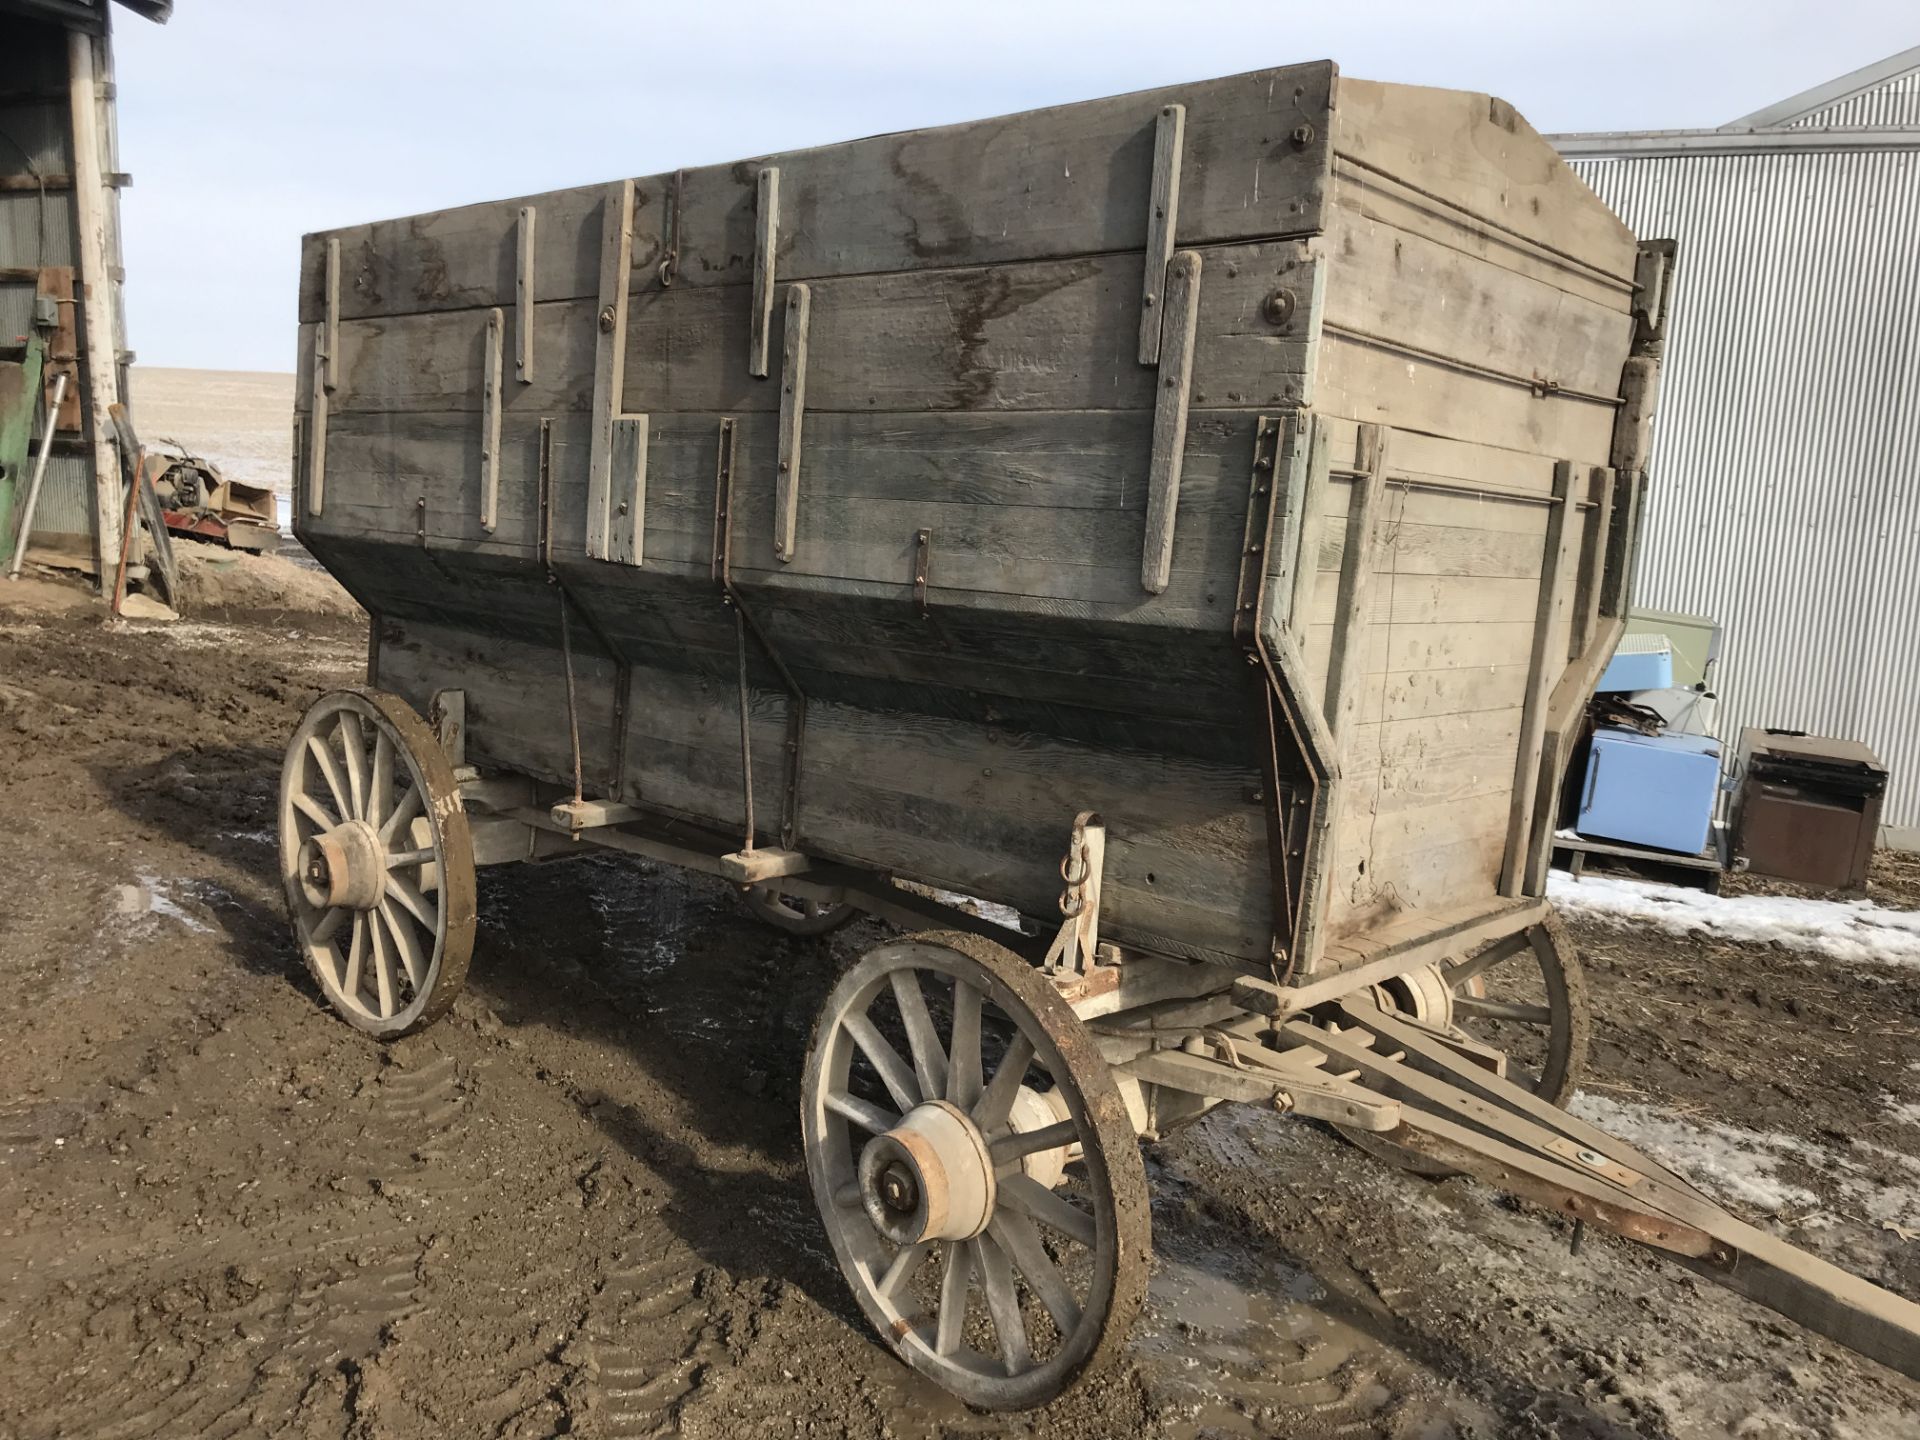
<point x="1170" y="420"/>
<point x="793" y="404"/>
<point x="1162" y="217"/>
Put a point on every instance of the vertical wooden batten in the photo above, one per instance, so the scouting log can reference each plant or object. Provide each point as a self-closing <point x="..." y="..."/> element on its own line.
<point x="1313" y="509"/>
<point x="765" y="247"/>
<point x="627" y="525"/>
<point x="793" y="404"/>
<point x="1170" y="420"/>
<point x="491" y="380"/>
<point x="1541" y="675"/>
<point x="1162" y="218"/>
<point x="609" y="359"/>
<point x="326" y="348"/>
<point x="524" y="297"/>
<point x="1346" y="661"/>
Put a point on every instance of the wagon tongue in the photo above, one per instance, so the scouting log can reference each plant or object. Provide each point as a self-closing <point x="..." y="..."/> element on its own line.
<point x="1462" y="1114"/>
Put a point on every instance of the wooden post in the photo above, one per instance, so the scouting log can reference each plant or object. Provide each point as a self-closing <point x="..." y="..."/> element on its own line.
<point x="1170" y="420"/>
<point x="101" y="347"/>
<point x="1541" y="676"/>
<point x="609" y="359"/>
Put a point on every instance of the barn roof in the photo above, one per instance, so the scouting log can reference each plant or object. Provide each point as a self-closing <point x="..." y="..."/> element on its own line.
<point x="1894" y="77"/>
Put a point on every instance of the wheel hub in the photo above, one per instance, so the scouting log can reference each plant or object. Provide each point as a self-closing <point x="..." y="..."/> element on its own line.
<point x="1423" y="993"/>
<point x="1035" y="1110"/>
<point x="344" y="866"/>
<point x="928" y="1178"/>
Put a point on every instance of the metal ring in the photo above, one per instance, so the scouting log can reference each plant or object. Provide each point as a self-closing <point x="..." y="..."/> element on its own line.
<point x="1071" y="903"/>
<point x="1086" y="867"/>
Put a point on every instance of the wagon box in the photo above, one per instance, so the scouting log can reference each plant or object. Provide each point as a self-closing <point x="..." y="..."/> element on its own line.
<point x="1192" y="521"/>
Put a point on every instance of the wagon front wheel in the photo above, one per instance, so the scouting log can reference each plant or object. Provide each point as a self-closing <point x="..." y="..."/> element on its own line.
<point x="976" y="1169"/>
<point x="377" y="861"/>
<point x="795" y="914"/>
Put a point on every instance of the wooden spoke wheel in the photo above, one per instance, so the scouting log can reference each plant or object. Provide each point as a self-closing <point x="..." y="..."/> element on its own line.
<point x="1524" y="996"/>
<point x="976" y="1169"/>
<point x="795" y="915"/>
<point x="377" y="861"/>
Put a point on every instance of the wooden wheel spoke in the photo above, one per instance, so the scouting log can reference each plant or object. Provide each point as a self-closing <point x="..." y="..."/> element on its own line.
<point x="1036" y="1202"/>
<point x="954" y="1285"/>
<point x="407" y="808"/>
<point x="380" y="783"/>
<point x="353" y="749"/>
<point x="963" y="1062"/>
<point x="874" y="1119"/>
<point x="1498" y="953"/>
<point x="330" y="772"/>
<point x="383" y="977"/>
<point x="328" y="924"/>
<point x="356" y="955"/>
<point x="406" y="942"/>
<point x="313" y="810"/>
<point x="929" y="1058"/>
<point x="406" y="859"/>
<point x="1021" y="1241"/>
<point x="894" y="1073"/>
<point x="996" y="1101"/>
<point x="1018" y="1143"/>
<point x="1480" y="1009"/>
<point x="1003" y="1304"/>
<point x="416" y="904"/>
<point x="904" y="1266"/>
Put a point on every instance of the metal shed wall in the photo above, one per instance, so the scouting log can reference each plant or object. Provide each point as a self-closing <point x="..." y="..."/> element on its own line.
<point x="1786" y="461"/>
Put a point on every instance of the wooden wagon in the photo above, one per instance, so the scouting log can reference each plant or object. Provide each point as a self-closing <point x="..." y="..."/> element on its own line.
<point x="1191" y="521"/>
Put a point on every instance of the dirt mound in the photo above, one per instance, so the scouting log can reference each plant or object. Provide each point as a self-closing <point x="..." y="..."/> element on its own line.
<point x="224" y="581"/>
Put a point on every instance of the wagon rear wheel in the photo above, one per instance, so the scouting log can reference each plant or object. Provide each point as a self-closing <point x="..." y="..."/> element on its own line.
<point x="1524" y="996"/>
<point x="377" y="861"/>
<point x="795" y="915"/>
<point x="976" y="1169"/>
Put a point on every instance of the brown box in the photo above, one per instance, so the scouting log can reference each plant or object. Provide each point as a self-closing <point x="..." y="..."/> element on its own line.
<point x="1808" y="808"/>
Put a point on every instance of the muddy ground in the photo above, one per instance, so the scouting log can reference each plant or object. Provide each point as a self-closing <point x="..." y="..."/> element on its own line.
<point x="577" y="1205"/>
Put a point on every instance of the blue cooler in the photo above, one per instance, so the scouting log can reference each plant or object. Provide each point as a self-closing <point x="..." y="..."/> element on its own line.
<point x="1653" y="790"/>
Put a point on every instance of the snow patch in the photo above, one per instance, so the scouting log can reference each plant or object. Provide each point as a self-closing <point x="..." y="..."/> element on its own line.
<point x="1740" y="1164"/>
<point x="1856" y="932"/>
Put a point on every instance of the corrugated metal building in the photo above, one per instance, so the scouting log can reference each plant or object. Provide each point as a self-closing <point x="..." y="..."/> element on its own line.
<point x="1785" y="496"/>
<point x="60" y="237"/>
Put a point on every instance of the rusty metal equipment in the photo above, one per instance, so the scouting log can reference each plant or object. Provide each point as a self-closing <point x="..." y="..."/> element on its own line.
<point x="1190" y="522"/>
<point x="1808" y="807"/>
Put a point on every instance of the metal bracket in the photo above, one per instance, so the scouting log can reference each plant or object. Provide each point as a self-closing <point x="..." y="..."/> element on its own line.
<point x="922" y="556"/>
<point x="1073" y="949"/>
<point x="725" y="471"/>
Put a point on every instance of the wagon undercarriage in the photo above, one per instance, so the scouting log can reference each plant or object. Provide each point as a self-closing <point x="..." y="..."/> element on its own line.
<point x="974" y="1092"/>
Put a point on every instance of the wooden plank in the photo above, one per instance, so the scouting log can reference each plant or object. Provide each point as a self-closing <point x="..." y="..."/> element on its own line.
<point x="1353" y="607"/>
<point x="627" y="525"/>
<point x="525" y="295"/>
<point x="490" y="422"/>
<point x="1547" y="617"/>
<point x="765" y="251"/>
<point x="1410" y="292"/>
<point x="609" y="358"/>
<point x="330" y="320"/>
<point x="1169" y="137"/>
<point x="1476" y="155"/>
<point x="1059" y="335"/>
<point x="1313" y="505"/>
<point x="1170" y="420"/>
<point x="317" y="427"/>
<point x="466" y="258"/>
<point x="1593" y="560"/>
<point x="793" y="404"/>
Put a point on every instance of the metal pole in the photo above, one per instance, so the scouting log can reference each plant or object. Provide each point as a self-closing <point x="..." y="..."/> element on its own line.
<point x="39" y="473"/>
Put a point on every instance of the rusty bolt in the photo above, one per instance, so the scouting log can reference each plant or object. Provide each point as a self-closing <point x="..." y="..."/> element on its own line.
<point x="1302" y="136"/>
<point x="1278" y="307"/>
<point x="606" y="319"/>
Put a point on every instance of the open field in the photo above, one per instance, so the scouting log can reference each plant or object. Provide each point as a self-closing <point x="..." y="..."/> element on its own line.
<point x="577" y="1205"/>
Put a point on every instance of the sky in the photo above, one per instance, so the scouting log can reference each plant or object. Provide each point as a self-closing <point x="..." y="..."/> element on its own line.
<point x="247" y="123"/>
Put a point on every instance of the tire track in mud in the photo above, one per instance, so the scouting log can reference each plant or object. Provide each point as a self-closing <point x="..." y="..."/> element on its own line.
<point x="650" y="1335"/>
